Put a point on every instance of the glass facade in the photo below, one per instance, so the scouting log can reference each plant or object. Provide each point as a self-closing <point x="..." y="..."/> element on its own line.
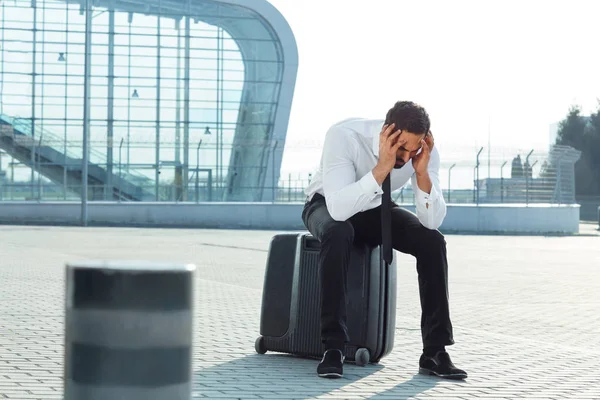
<point x="183" y="101"/>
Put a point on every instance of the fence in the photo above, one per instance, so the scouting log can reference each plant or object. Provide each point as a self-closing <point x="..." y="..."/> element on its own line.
<point x="542" y="177"/>
<point x="504" y="177"/>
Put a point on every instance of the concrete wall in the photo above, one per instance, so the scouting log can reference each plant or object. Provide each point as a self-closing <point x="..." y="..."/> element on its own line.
<point x="512" y="218"/>
<point x="506" y="218"/>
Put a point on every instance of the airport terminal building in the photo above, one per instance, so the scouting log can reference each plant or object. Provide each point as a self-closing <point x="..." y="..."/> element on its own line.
<point x="179" y="100"/>
<point x="183" y="107"/>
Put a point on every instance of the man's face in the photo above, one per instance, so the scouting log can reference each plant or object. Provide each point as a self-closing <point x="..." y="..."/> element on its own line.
<point x="410" y="149"/>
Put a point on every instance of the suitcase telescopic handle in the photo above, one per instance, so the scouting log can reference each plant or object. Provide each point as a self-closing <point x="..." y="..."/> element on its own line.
<point x="386" y="221"/>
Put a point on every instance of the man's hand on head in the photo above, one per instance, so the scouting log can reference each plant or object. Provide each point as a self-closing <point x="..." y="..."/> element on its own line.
<point x="421" y="160"/>
<point x="430" y="140"/>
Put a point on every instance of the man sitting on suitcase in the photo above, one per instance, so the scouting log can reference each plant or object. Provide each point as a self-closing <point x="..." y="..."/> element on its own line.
<point x="343" y="206"/>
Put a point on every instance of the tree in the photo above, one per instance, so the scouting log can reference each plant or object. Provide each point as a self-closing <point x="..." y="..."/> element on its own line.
<point x="583" y="134"/>
<point x="593" y="144"/>
<point x="571" y="129"/>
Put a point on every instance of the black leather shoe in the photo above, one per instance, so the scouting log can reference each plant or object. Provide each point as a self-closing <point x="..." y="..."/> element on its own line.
<point x="331" y="366"/>
<point x="440" y="365"/>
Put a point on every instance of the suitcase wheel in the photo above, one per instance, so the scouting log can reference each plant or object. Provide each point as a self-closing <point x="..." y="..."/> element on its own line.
<point x="259" y="345"/>
<point x="362" y="357"/>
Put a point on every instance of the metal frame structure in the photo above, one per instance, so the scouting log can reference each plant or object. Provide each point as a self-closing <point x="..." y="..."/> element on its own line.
<point x="255" y="149"/>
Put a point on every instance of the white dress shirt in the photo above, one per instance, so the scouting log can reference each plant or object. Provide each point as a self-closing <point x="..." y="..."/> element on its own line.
<point x="345" y="178"/>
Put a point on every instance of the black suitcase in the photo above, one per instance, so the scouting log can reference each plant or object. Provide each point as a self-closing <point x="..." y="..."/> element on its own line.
<point x="290" y="314"/>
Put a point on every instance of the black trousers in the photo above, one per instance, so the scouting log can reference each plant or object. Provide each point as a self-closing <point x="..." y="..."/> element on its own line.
<point x="409" y="236"/>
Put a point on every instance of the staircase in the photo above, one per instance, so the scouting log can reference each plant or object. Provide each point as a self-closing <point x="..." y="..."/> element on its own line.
<point x="47" y="156"/>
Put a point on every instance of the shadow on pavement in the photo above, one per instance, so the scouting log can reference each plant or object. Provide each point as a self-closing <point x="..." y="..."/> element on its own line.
<point x="408" y="389"/>
<point x="271" y="374"/>
<point x="285" y="376"/>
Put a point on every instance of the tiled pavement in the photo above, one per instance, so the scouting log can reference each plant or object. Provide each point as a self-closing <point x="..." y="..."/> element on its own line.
<point x="526" y="313"/>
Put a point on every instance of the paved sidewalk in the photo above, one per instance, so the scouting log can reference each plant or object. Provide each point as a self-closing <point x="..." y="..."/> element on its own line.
<point x="526" y="313"/>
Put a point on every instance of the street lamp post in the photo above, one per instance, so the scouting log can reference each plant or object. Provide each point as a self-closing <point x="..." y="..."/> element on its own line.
<point x="120" y="166"/>
<point x="527" y="178"/>
<point x="449" y="185"/>
<point x="198" y="171"/>
<point x="502" y="182"/>
<point x="531" y="170"/>
<point x="86" y="109"/>
<point x="477" y="174"/>
<point x="39" y="167"/>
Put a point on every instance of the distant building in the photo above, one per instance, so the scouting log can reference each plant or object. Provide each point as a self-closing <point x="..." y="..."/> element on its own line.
<point x="188" y="100"/>
<point x="554" y="184"/>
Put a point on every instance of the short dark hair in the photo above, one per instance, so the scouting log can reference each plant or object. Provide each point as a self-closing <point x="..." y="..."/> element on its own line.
<point x="409" y="116"/>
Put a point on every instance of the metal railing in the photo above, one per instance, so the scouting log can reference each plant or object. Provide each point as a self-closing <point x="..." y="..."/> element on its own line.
<point x="35" y="136"/>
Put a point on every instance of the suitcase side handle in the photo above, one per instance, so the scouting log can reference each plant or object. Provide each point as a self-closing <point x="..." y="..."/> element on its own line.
<point x="310" y="243"/>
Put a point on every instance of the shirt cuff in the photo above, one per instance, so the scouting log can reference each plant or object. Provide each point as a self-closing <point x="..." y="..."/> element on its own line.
<point x="427" y="198"/>
<point x="369" y="185"/>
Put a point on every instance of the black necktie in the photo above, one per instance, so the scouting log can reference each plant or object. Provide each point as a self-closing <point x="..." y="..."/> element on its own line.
<point x="386" y="221"/>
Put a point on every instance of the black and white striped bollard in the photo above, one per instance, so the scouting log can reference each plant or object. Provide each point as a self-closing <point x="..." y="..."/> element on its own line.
<point x="128" y="331"/>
